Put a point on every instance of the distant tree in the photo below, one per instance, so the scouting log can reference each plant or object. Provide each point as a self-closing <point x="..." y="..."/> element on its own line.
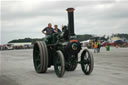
<point x="21" y="40"/>
<point x="84" y="37"/>
<point x="121" y="35"/>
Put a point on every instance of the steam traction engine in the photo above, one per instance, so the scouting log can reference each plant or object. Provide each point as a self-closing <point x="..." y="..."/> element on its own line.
<point x="61" y="50"/>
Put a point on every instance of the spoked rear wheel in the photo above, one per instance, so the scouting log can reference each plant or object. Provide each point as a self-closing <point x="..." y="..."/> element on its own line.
<point x="40" y="57"/>
<point x="59" y="63"/>
<point x="87" y="62"/>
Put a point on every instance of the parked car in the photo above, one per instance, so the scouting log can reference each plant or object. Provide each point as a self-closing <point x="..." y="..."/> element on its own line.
<point x="117" y="42"/>
<point x="105" y="43"/>
<point x="2" y="47"/>
<point x="9" y="47"/>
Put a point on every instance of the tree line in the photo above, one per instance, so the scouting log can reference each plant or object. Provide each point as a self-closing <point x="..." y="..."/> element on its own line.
<point x="79" y="37"/>
<point x="120" y="35"/>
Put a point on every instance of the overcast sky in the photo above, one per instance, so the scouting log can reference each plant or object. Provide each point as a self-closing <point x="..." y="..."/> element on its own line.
<point x="26" y="18"/>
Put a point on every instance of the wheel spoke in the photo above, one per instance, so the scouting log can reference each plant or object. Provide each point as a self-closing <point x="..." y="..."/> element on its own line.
<point x="39" y="66"/>
<point x="37" y="60"/>
<point x="87" y="67"/>
<point x="58" y="63"/>
<point x="36" y="51"/>
<point x="85" y="61"/>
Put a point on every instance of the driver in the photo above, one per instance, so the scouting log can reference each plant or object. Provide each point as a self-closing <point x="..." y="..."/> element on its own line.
<point x="48" y="30"/>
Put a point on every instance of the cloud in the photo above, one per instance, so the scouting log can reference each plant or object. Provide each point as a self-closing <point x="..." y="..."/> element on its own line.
<point x="27" y="18"/>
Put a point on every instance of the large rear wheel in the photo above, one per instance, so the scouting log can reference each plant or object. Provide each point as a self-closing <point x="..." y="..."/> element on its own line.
<point x="59" y="63"/>
<point x="87" y="62"/>
<point x="40" y="57"/>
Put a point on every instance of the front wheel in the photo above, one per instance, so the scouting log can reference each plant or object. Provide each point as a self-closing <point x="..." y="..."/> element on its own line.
<point x="87" y="62"/>
<point x="59" y="63"/>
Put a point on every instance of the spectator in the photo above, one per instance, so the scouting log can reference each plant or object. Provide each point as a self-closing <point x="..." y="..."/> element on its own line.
<point x="95" y="47"/>
<point x="98" y="46"/>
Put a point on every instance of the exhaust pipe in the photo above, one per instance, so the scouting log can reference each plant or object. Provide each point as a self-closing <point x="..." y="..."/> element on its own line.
<point x="70" y="21"/>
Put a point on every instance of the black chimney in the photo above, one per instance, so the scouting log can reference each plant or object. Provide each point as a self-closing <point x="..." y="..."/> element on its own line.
<point x="70" y="21"/>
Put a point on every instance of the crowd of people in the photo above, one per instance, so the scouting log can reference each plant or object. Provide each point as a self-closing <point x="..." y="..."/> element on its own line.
<point x="96" y="45"/>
